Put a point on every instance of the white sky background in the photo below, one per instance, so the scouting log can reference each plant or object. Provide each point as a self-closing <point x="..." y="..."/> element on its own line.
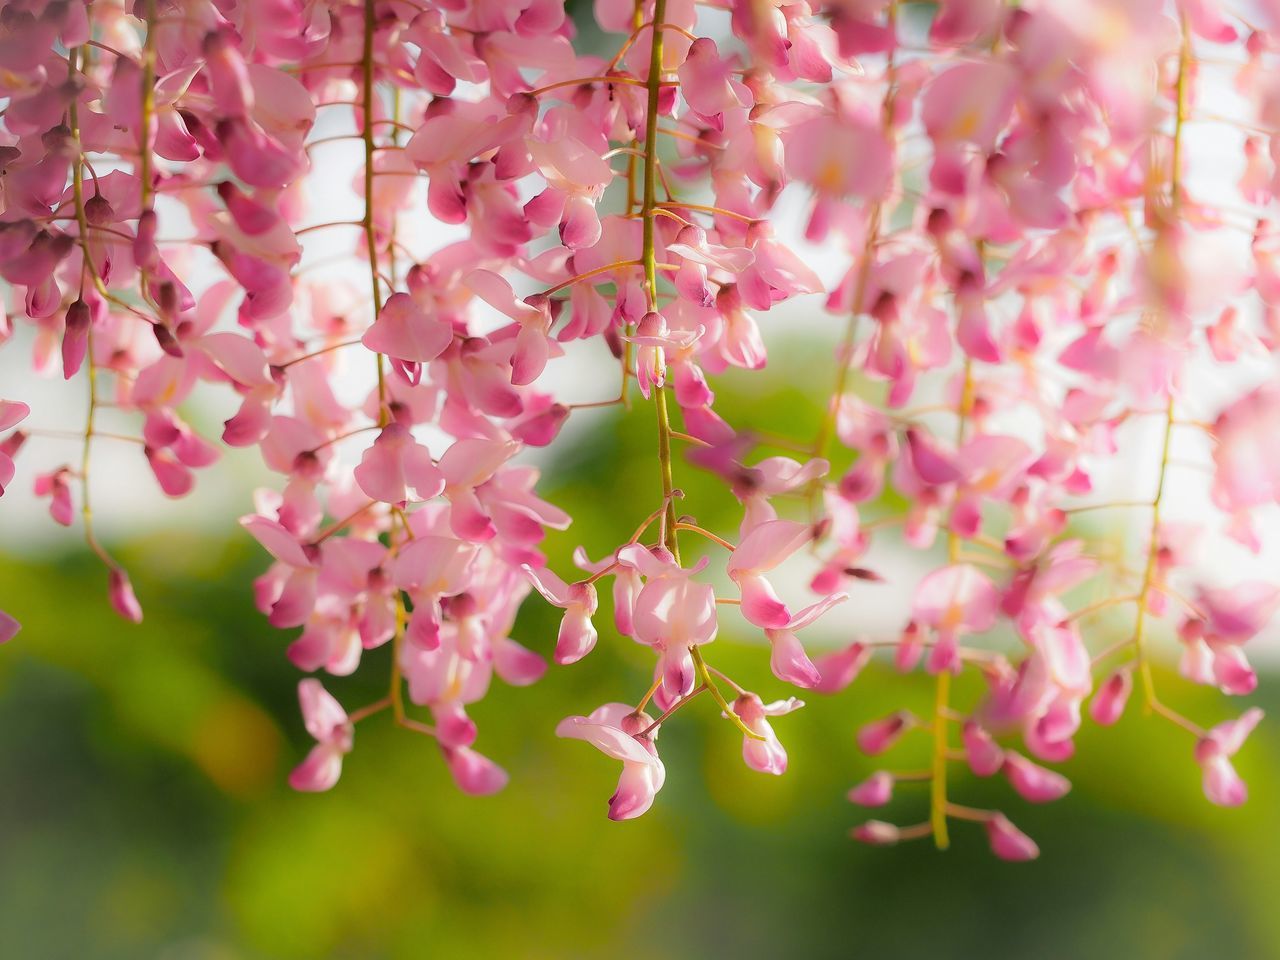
<point x="128" y="504"/>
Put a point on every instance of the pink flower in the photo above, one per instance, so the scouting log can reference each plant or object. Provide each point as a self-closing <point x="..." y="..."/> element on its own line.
<point x="981" y="751"/>
<point x="406" y="334"/>
<point x="877" y="833"/>
<point x="788" y="661"/>
<point x="533" y="345"/>
<point x="120" y="593"/>
<point x="1109" y="702"/>
<point x="12" y="412"/>
<point x="333" y="732"/>
<point x="1222" y="785"/>
<point x="838" y="669"/>
<point x="1033" y="782"/>
<point x="708" y="83"/>
<point x="762" y="549"/>
<point x="954" y="601"/>
<point x="474" y="773"/>
<point x="763" y="752"/>
<point x="577" y="635"/>
<point x="614" y="730"/>
<point x="673" y="614"/>
<point x="9" y="627"/>
<point x="1008" y="842"/>
<point x="54" y="486"/>
<point x="879" y="735"/>
<point x="875" y="791"/>
<point x="396" y="469"/>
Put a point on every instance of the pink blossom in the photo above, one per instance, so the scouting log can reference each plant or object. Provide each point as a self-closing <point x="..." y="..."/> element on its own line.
<point x="1222" y="785"/>
<point x="578" y="634"/>
<point x="1008" y="842"/>
<point x="875" y="791"/>
<point x="954" y="601"/>
<point x="763" y="752"/>
<point x="1033" y="782"/>
<point x="788" y="660"/>
<point x="327" y="722"/>
<point x="615" y="729"/>
<point x="879" y="735"/>
<point x="762" y="549"/>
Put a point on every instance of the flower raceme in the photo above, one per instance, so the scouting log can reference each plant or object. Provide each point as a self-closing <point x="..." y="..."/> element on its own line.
<point x="1031" y="268"/>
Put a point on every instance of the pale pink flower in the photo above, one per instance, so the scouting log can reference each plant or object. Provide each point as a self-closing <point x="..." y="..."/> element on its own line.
<point x="577" y="635"/>
<point x="333" y="732"/>
<point x="763" y="752"/>
<point x="954" y="601"/>
<point x="787" y="658"/>
<point x="1222" y="785"/>
<point x="614" y="730"/>
<point x="759" y="551"/>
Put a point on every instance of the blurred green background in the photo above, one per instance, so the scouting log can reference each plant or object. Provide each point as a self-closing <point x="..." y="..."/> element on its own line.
<point x="145" y="814"/>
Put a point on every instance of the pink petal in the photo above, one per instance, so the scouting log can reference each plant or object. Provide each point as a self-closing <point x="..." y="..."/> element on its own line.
<point x="120" y="593"/>
<point x="1033" y="782"/>
<point x="474" y="773"/>
<point x="319" y="771"/>
<point x="875" y="791"/>
<point x="1008" y="842"/>
<point x="404" y="331"/>
<point x="789" y="662"/>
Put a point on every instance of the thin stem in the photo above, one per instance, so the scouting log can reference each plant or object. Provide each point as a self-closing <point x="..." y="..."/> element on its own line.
<point x="608" y="267"/>
<point x="91" y="370"/>
<point x="371" y="240"/>
<point x="649" y="259"/>
<point x="694" y="528"/>
<point x="671" y="709"/>
<point x="1149" y="572"/>
<point x="369" y="710"/>
<point x="317" y="353"/>
<point x="704" y="674"/>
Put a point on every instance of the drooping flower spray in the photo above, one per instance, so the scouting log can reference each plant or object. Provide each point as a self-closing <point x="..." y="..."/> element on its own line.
<point x="1034" y="265"/>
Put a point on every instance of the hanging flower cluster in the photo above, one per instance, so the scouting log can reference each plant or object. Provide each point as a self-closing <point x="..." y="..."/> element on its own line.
<point x="1010" y="186"/>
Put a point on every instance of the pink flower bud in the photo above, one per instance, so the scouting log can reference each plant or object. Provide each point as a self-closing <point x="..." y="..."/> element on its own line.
<point x="1032" y="781"/>
<point x="1109" y="702"/>
<point x="839" y="669"/>
<point x="1008" y="842"/>
<point x="120" y="592"/>
<point x="877" y="833"/>
<point x="875" y="791"/>
<point x="983" y="753"/>
<point x="9" y="627"/>
<point x="879" y="735"/>
<point x="474" y="774"/>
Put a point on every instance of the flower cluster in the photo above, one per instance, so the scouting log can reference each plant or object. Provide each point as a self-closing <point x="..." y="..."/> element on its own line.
<point x="1030" y="271"/>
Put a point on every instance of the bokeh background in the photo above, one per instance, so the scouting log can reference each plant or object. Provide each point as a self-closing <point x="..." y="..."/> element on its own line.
<point x="144" y="811"/>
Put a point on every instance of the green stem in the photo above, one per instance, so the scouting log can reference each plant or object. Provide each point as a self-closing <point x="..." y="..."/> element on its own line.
<point x="648" y="258"/>
<point x="366" y="134"/>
